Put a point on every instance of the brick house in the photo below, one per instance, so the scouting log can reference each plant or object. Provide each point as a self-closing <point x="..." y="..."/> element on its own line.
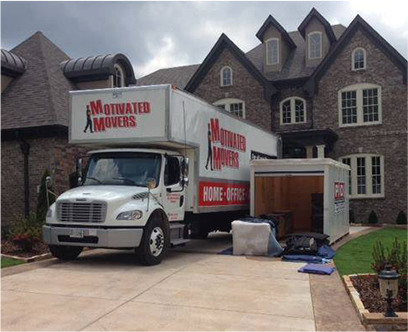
<point x="36" y="77"/>
<point x="327" y="90"/>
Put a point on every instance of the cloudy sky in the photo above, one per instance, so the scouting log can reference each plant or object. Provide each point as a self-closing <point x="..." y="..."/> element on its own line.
<point x="156" y="35"/>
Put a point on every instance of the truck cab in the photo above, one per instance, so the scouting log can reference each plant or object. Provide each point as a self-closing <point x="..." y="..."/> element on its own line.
<point x="126" y="198"/>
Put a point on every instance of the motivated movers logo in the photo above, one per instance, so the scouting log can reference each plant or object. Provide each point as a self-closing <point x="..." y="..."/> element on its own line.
<point x="100" y="116"/>
<point x="224" y="147"/>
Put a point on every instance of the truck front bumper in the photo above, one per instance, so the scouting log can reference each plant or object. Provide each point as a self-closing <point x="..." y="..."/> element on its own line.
<point x="93" y="237"/>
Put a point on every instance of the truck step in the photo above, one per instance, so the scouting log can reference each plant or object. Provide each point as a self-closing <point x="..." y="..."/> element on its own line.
<point x="179" y="242"/>
<point x="176" y="225"/>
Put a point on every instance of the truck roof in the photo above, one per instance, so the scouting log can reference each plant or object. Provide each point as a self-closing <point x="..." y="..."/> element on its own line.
<point x="133" y="150"/>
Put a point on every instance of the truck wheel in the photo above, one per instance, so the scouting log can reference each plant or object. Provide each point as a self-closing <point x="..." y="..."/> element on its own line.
<point x="155" y="242"/>
<point x="65" y="253"/>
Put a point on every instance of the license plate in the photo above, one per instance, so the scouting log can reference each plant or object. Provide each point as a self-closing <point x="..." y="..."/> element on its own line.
<point x="77" y="233"/>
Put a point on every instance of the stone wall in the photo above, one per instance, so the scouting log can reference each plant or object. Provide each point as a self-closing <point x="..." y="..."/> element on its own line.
<point x="388" y="139"/>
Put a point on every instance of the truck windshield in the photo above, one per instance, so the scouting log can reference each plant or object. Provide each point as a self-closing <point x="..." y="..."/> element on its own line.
<point x="127" y="169"/>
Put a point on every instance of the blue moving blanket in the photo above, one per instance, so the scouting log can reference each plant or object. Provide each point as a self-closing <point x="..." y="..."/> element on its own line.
<point x="317" y="269"/>
<point x="303" y="258"/>
<point x="326" y="251"/>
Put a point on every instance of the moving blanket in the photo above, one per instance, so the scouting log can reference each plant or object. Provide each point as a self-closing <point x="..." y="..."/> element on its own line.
<point x="326" y="251"/>
<point x="254" y="239"/>
<point x="317" y="269"/>
<point x="304" y="258"/>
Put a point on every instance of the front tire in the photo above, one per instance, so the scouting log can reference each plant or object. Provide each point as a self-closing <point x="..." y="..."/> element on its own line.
<point x="155" y="241"/>
<point x="65" y="253"/>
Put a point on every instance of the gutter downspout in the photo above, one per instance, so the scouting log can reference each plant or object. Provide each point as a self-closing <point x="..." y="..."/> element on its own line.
<point x="25" y="149"/>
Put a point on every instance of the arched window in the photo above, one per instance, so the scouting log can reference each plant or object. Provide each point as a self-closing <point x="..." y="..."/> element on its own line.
<point x="272" y="51"/>
<point x="366" y="177"/>
<point x="118" y="77"/>
<point x="232" y="105"/>
<point x="226" y="76"/>
<point x="293" y="110"/>
<point x="315" y="45"/>
<point x="358" y="59"/>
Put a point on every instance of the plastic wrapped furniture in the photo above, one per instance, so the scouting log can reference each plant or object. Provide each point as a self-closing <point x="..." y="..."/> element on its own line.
<point x="254" y="239"/>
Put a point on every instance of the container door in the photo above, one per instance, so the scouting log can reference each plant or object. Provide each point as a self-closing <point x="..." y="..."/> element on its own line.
<point x="174" y="195"/>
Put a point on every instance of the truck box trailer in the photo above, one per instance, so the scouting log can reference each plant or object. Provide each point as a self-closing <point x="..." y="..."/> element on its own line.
<point x="313" y="192"/>
<point x="161" y="159"/>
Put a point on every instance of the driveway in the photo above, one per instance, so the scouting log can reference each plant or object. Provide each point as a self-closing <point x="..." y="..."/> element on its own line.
<point x="108" y="290"/>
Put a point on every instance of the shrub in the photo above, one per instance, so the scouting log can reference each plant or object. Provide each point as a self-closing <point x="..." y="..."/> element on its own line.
<point x="401" y="218"/>
<point x="352" y="218"/>
<point x="42" y="206"/>
<point x="396" y="256"/>
<point x="372" y="218"/>
<point x="25" y="233"/>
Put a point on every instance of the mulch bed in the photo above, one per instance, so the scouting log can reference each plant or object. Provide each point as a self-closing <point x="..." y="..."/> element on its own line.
<point x="369" y="291"/>
<point x="9" y="248"/>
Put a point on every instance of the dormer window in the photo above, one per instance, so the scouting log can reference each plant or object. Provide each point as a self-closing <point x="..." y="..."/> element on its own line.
<point x="315" y="45"/>
<point x="226" y="76"/>
<point x="118" y="77"/>
<point x="272" y="51"/>
<point x="359" y="59"/>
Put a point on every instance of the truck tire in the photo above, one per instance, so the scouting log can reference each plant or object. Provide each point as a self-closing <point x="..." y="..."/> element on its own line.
<point x="155" y="241"/>
<point x="65" y="253"/>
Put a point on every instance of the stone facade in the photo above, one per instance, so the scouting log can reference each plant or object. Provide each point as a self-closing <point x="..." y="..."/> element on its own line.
<point x="245" y="87"/>
<point x="52" y="154"/>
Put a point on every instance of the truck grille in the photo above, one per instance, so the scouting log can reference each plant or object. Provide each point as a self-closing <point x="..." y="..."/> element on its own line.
<point x="81" y="212"/>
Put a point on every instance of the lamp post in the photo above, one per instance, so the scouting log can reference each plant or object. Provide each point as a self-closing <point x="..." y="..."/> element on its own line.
<point x="389" y="288"/>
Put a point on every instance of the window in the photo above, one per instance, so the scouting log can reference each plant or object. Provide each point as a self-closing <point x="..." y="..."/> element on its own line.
<point x="172" y="171"/>
<point x="272" y="51"/>
<point x="358" y="59"/>
<point x="232" y="105"/>
<point x="360" y="104"/>
<point x="118" y="77"/>
<point x="293" y="110"/>
<point x="315" y="45"/>
<point x="366" y="178"/>
<point x="226" y="76"/>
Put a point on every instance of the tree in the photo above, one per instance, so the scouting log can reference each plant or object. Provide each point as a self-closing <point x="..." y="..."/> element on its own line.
<point x="372" y="218"/>
<point x="402" y="218"/>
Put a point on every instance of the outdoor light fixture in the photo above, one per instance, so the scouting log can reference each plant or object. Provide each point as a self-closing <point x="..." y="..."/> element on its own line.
<point x="389" y="288"/>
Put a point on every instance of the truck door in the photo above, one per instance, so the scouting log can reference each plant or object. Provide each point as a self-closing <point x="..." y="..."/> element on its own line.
<point x="174" y="196"/>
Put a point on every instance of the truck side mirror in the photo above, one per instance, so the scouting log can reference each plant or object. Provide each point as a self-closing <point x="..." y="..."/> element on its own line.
<point x="79" y="167"/>
<point x="185" y="166"/>
<point x="48" y="182"/>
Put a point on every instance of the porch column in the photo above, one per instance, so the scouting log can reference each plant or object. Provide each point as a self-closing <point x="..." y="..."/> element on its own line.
<point x="320" y="151"/>
<point x="309" y="151"/>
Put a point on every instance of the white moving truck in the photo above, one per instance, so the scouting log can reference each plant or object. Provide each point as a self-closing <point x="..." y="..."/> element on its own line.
<point x="164" y="160"/>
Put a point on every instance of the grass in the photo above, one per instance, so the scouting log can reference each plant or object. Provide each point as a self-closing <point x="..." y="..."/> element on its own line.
<point x="356" y="255"/>
<point x="7" y="262"/>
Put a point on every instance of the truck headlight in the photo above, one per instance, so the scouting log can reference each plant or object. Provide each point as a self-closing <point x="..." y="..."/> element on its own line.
<point x="130" y="215"/>
<point x="49" y="213"/>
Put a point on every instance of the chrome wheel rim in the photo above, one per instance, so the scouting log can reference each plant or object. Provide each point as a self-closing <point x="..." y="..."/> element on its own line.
<point x="156" y="241"/>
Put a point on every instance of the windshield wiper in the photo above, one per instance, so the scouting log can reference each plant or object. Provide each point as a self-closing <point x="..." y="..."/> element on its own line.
<point x="125" y="180"/>
<point x="92" y="178"/>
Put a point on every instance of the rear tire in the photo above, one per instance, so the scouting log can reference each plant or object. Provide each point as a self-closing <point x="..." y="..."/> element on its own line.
<point x="65" y="253"/>
<point x="155" y="241"/>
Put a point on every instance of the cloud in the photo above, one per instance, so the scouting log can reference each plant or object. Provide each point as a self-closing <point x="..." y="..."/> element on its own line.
<point x="163" y="34"/>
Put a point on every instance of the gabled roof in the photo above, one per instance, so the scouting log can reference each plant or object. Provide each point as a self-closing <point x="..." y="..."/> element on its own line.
<point x="39" y="97"/>
<point x="225" y="43"/>
<point x="270" y="21"/>
<point x="178" y="76"/>
<point x="12" y="64"/>
<point x="97" y="67"/>
<point x="315" y="14"/>
<point x="374" y="36"/>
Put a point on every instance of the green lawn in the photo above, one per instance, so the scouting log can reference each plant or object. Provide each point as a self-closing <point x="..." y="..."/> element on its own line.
<point x="6" y="262"/>
<point x="356" y="255"/>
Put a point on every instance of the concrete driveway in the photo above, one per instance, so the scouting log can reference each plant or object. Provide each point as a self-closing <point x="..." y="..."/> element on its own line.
<point x="108" y="290"/>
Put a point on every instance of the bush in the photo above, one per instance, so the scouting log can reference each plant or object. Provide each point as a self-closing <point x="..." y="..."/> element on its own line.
<point x="396" y="256"/>
<point x="372" y="218"/>
<point x="25" y="233"/>
<point x="352" y="218"/>
<point x="402" y="218"/>
<point x="42" y="206"/>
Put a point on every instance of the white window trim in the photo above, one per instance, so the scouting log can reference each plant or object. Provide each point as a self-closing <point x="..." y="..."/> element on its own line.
<point x="221" y="76"/>
<point x="292" y="111"/>
<point x="112" y="77"/>
<point x="353" y="62"/>
<point x="359" y="95"/>
<point x="368" y="175"/>
<point x="321" y="44"/>
<point x="228" y="101"/>
<point x="267" y="52"/>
